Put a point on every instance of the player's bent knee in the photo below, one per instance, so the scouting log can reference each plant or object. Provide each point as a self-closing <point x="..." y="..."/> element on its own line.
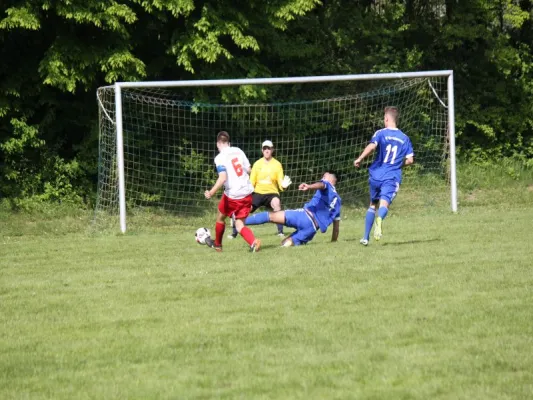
<point x="275" y="204"/>
<point x="287" y="242"/>
<point x="385" y="203"/>
<point x="277" y="217"/>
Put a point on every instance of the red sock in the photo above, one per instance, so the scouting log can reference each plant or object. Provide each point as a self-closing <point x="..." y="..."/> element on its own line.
<point x="219" y="229"/>
<point x="248" y="235"/>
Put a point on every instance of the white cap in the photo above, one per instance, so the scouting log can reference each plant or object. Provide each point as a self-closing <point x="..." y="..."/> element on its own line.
<point x="267" y="143"/>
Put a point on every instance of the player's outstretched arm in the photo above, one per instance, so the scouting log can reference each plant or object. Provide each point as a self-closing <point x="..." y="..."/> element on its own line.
<point x="312" y="186"/>
<point x="369" y="149"/>
<point x="222" y="176"/>
<point x="335" y="232"/>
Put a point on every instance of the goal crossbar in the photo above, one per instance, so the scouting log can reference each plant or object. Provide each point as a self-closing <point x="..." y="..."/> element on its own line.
<point x="287" y="80"/>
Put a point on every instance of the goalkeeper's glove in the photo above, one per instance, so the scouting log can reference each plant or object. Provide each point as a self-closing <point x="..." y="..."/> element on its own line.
<point x="286" y="182"/>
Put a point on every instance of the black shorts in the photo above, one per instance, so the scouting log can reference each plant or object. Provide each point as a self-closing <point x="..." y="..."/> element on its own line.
<point x="262" y="200"/>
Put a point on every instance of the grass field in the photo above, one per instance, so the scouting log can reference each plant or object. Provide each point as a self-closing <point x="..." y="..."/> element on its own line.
<point x="442" y="308"/>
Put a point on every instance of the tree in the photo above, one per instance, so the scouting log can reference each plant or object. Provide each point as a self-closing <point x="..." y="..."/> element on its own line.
<point x="60" y="51"/>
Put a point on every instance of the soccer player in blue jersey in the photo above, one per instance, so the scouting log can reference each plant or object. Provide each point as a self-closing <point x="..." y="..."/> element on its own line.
<point x="319" y="213"/>
<point x="394" y="150"/>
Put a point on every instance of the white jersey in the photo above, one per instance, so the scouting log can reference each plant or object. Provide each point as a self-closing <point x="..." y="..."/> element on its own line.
<point x="234" y="162"/>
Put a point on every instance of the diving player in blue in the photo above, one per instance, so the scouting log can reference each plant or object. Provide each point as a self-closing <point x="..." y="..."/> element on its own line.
<point x="318" y="214"/>
<point x="394" y="150"/>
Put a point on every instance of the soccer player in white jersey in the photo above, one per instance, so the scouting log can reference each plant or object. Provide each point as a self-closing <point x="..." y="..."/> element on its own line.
<point x="394" y="151"/>
<point x="268" y="180"/>
<point x="233" y="170"/>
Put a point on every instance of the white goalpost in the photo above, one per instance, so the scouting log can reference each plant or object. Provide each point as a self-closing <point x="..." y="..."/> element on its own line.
<point x="156" y="144"/>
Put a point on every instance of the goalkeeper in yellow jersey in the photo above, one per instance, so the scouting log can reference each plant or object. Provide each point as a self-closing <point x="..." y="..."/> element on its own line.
<point x="268" y="181"/>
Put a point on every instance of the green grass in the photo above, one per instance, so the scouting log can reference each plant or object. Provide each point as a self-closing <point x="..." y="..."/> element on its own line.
<point x="442" y="308"/>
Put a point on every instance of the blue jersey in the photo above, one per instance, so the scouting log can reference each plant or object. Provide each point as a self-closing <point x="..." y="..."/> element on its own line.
<point x="325" y="205"/>
<point x="394" y="147"/>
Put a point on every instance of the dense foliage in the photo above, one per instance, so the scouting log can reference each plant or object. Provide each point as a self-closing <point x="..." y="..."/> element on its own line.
<point x="55" y="53"/>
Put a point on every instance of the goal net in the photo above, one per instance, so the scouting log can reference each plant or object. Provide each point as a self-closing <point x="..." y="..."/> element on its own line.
<point x="169" y="134"/>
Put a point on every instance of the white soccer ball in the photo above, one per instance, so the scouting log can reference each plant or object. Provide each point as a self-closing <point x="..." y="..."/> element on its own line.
<point x="201" y="235"/>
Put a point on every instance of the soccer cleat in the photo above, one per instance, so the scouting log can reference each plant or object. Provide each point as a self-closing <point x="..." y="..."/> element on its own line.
<point x="232" y="235"/>
<point x="378" y="231"/>
<point x="210" y="243"/>
<point x="280" y="234"/>
<point x="256" y="245"/>
<point x="364" y="242"/>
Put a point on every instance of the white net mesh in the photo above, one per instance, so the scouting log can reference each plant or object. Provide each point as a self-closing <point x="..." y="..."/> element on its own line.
<point x="169" y="138"/>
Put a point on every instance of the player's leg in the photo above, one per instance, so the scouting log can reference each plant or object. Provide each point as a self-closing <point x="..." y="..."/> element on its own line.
<point x="220" y="226"/>
<point x="369" y="222"/>
<point x="275" y="204"/>
<point x="240" y="215"/>
<point x="265" y="217"/>
<point x="219" y="229"/>
<point x="287" y="242"/>
<point x="248" y="235"/>
<point x="224" y="210"/>
<point x="301" y="236"/>
<point x="378" y="229"/>
<point x="277" y="217"/>
<point x="256" y="203"/>
<point x="389" y="190"/>
<point x="305" y="230"/>
<point x="371" y="212"/>
<point x="234" y="231"/>
<point x="382" y="213"/>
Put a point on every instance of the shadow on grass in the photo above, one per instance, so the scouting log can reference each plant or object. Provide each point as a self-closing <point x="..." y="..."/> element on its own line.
<point x="398" y="243"/>
<point x="412" y="242"/>
<point x="268" y="247"/>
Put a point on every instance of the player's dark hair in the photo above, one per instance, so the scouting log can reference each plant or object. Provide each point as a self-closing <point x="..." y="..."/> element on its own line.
<point x="334" y="173"/>
<point x="223" y="137"/>
<point x="393" y="113"/>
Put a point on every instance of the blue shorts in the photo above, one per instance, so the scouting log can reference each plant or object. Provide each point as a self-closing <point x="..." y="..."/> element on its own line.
<point x="383" y="190"/>
<point x="305" y="228"/>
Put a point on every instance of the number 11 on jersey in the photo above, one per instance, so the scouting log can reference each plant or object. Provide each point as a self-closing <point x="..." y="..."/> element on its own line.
<point x="394" y="151"/>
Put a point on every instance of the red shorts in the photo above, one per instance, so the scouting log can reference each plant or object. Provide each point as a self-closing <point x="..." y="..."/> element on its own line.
<point x="241" y="207"/>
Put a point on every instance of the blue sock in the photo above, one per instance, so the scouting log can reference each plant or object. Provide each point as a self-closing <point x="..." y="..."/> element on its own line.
<point x="382" y="212"/>
<point x="257" y="219"/>
<point x="280" y="228"/>
<point x="369" y="221"/>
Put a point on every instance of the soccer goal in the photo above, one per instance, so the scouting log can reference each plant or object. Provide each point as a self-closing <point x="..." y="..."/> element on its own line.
<point x="157" y="139"/>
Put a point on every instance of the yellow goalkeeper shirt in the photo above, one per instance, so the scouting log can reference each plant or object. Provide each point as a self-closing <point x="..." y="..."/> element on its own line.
<point x="266" y="176"/>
